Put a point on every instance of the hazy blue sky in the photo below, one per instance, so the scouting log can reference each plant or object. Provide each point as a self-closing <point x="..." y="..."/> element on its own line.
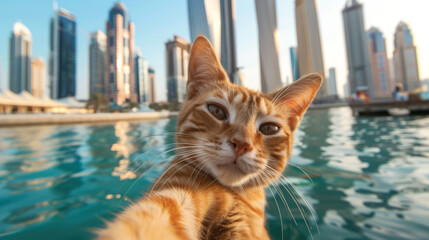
<point x="157" y="21"/>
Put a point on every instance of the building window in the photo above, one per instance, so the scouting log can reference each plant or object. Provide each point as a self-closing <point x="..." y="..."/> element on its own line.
<point x="112" y="77"/>
<point x="170" y="62"/>
<point x="383" y="81"/>
<point x="381" y="61"/>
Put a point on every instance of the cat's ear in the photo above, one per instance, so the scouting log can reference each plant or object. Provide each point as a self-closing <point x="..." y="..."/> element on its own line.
<point x="297" y="97"/>
<point x="205" y="69"/>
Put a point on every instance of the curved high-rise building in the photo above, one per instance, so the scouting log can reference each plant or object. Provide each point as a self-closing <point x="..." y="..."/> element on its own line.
<point x="360" y="79"/>
<point x="405" y="58"/>
<point x="120" y="84"/>
<point x="204" y="18"/>
<point x="309" y="50"/>
<point x="20" y="59"/>
<point x="268" y="45"/>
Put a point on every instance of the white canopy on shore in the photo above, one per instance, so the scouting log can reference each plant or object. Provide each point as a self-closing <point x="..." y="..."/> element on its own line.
<point x="7" y="97"/>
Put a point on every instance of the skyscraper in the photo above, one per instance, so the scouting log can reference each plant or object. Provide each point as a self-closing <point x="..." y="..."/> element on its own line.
<point x="152" y="84"/>
<point x="97" y="62"/>
<point x="268" y="45"/>
<point x="20" y="59"/>
<point x="119" y="81"/>
<point x="405" y="58"/>
<point x="357" y="49"/>
<point x="38" y="75"/>
<point x="177" y="68"/>
<point x="62" y="57"/>
<point x="228" y="56"/>
<point x="294" y="63"/>
<point x="310" y="53"/>
<point x="141" y="78"/>
<point x="332" y="83"/>
<point x="381" y="81"/>
<point x="204" y="18"/>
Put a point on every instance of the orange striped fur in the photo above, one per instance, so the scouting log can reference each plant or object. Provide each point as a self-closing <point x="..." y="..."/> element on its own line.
<point x="215" y="187"/>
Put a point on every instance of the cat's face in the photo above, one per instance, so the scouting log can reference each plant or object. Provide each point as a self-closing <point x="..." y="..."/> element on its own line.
<point x="239" y="136"/>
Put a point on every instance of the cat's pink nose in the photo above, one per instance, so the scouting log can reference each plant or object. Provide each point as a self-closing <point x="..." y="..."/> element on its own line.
<point x="240" y="147"/>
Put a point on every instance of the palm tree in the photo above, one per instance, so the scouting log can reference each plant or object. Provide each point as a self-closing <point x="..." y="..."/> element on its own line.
<point x="96" y="102"/>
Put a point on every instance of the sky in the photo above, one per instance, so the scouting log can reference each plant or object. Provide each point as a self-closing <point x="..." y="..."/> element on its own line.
<point x="158" y="21"/>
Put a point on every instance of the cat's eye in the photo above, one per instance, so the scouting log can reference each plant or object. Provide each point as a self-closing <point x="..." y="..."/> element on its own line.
<point x="217" y="111"/>
<point x="269" y="128"/>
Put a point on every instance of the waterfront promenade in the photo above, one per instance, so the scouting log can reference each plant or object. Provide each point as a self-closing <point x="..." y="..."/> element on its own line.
<point x="36" y="119"/>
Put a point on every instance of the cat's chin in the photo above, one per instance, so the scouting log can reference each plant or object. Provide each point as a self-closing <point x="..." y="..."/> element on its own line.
<point x="231" y="175"/>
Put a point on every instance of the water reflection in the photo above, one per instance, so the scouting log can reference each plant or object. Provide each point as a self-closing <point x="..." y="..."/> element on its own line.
<point x="122" y="148"/>
<point x="359" y="167"/>
<point x="369" y="177"/>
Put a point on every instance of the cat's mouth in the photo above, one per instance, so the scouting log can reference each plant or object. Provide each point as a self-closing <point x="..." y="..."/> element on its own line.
<point x="237" y="165"/>
<point x="234" y="167"/>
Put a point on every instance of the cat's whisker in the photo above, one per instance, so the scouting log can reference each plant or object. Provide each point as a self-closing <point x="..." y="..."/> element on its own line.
<point x="293" y="196"/>
<point x="154" y="148"/>
<point x="159" y="163"/>
<point x="278" y="209"/>
<point x="171" y="150"/>
<point x="283" y="200"/>
<point x="168" y="179"/>
<point x="167" y="134"/>
<point x="267" y="181"/>
<point x="302" y="170"/>
<point x="305" y="201"/>
<point x="192" y="152"/>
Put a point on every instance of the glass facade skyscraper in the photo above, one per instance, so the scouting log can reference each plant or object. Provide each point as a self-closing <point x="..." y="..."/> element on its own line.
<point x="152" y="84"/>
<point x="294" y="63"/>
<point x="228" y="56"/>
<point x="405" y="58"/>
<point x="141" y="78"/>
<point x="204" y="18"/>
<point x="357" y="49"/>
<point x="97" y="62"/>
<point x="381" y="81"/>
<point x="20" y="59"/>
<point x="177" y="68"/>
<point x="62" y="62"/>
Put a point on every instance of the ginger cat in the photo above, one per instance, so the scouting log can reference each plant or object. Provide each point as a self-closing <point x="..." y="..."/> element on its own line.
<point x="232" y="142"/>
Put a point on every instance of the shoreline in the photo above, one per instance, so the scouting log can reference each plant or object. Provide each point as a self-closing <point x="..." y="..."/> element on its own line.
<point x="43" y="119"/>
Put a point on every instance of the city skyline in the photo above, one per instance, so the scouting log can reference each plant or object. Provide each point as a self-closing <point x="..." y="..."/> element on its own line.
<point x="247" y="43"/>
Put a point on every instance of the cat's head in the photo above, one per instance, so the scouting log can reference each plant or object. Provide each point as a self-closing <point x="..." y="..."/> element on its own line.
<point x="239" y="136"/>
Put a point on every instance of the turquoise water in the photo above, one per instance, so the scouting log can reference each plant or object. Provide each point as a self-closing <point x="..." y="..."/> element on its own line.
<point x="365" y="178"/>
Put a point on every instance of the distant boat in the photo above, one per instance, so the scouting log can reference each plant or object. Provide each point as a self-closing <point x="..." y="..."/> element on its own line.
<point x="398" y="111"/>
